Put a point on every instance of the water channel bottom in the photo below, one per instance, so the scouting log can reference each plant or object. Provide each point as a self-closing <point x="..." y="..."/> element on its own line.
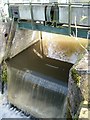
<point x="38" y="85"/>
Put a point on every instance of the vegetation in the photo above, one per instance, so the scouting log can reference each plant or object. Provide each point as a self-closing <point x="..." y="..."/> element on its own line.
<point x="75" y="76"/>
<point x="4" y="72"/>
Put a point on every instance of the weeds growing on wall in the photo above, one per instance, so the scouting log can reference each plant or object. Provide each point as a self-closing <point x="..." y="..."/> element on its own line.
<point x="75" y="76"/>
<point x="4" y="72"/>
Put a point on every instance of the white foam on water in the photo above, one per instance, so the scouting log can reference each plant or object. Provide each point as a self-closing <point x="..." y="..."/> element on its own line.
<point x="6" y="111"/>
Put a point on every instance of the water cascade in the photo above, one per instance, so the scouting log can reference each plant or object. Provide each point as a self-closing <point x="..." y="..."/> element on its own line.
<point x="38" y="85"/>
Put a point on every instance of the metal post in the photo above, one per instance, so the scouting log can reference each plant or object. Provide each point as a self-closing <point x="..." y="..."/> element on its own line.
<point x="32" y="22"/>
<point x="41" y="44"/>
<point x="69" y="18"/>
<point x="8" y="8"/>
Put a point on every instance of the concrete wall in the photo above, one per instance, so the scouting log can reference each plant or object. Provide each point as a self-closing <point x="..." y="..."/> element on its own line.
<point x="2" y="40"/>
<point x="78" y="87"/>
<point x="64" y="48"/>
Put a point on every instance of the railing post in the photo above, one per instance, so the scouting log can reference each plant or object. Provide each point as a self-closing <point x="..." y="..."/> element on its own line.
<point x="41" y="44"/>
<point x="69" y="18"/>
<point x="8" y="7"/>
<point x="32" y="22"/>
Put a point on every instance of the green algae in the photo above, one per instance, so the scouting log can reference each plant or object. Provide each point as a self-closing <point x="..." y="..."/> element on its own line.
<point x="4" y="72"/>
<point x="75" y="76"/>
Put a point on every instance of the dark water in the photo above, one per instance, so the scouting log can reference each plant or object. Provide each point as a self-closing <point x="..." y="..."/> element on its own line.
<point x="38" y="85"/>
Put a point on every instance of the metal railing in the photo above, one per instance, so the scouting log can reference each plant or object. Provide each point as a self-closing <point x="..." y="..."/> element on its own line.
<point x="69" y="5"/>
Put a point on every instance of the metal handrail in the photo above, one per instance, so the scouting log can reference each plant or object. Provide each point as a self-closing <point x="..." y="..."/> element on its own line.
<point x="54" y="3"/>
<point x="69" y="5"/>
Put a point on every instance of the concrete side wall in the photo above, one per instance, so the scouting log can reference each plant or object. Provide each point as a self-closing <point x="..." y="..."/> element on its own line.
<point x="63" y="47"/>
<point x="22" y="40"/>
<point x="78" y="86"/>
<point x="2" y="40"/>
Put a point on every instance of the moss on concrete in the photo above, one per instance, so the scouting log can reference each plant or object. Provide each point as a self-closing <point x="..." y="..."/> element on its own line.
<point x="4" y="72"/>
<point x="75" y="76"/>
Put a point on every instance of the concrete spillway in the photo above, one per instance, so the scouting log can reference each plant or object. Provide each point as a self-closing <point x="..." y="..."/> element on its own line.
<point x="38" y="85"/>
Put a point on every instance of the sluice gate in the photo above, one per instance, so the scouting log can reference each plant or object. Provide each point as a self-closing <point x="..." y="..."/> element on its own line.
<point x="37" y="70"/>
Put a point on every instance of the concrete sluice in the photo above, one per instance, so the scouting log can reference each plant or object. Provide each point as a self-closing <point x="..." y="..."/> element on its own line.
<point x="38" y="85"/>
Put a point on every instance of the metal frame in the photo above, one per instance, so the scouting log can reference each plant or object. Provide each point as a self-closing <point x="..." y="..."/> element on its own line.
<point x="82" y="32"/>
<point x="63" y="30"/>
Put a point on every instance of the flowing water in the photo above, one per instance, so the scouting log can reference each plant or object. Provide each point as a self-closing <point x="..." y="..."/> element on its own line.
<point x="37" y="84"/>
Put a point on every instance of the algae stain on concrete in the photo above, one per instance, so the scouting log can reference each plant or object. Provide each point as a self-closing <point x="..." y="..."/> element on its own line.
<point x="63" y="47"/>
